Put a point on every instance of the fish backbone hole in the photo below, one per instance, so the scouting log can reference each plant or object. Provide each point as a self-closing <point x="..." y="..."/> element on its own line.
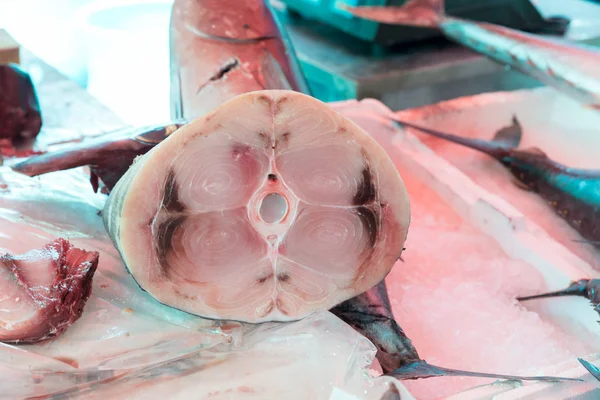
<point x="273" y="209"/>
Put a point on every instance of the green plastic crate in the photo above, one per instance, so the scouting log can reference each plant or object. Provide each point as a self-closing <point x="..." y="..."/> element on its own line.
<point x="517" y="14"/>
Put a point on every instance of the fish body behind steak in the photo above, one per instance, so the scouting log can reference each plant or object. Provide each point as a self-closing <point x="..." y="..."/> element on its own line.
<point x="44" y="291"/>
<point x="223" y="48"/>
<point x="268" y="208"/>
<point x="20" y="116"/>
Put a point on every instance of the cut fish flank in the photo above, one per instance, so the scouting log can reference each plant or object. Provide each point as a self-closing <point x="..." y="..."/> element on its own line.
<point x="268" y="208"/>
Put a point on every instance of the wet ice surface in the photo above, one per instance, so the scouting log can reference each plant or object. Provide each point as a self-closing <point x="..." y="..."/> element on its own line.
<point x="565" y="131"/>
<point x="454" y="294"/>
<point x="146" y="350"/>
<point x="454" y="297"/>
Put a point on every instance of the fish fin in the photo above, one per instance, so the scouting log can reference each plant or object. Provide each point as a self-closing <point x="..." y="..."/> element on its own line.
<point x="511" y="135"/>
<point x="94" y="181"/>
<point x="424" y="13"/>
<point x="420" y="369"/>
<point x="592" y="369"/>
<point x="535" y="151"/>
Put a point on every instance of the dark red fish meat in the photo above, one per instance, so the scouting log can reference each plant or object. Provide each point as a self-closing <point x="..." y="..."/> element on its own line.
<point x="44" y="291"/>
<point x="20" y="115"/>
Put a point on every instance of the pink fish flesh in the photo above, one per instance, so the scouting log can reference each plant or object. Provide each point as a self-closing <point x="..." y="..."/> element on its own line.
<point x="268" y="208"/>
<point x="223" y="48"/>
<point x="44" y="291"/>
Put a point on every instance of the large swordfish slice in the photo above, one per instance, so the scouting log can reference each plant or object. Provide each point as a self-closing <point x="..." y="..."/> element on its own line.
<point x="268" y="208"/>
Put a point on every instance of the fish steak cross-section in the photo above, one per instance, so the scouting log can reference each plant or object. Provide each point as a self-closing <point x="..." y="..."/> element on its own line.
<point x="268" y="208"/>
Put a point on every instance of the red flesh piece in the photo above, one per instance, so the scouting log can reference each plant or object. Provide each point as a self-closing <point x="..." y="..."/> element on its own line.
<point x="20" y="116"/>
<point x="44" y="291"/>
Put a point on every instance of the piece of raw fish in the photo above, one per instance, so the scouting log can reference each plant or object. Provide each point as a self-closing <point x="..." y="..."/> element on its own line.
<point x="44" y="291"/>
<point x="108" y="156"/>
<point x="588" y="288"/>
<point x="269" y="208"/>
<point x="570" y="68"/>
<point x="20" y="116"/>
<point x="574" y="194"/>
<point x="223" y="48"/>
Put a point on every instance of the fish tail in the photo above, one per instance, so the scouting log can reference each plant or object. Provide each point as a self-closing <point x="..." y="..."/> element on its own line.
<point x="421" y="369"/>
<point x="492" y="148"/>
<point x="592" y="369"/>
<point x="423" y="13"/>
<point x="578" y="288"/>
